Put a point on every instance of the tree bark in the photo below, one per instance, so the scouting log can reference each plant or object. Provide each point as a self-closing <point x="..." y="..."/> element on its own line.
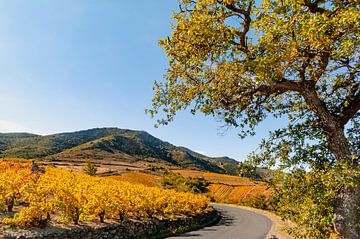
<point x="10" y="204"/>
<point x="346" y="222"/>
<point x="347" y="210"/>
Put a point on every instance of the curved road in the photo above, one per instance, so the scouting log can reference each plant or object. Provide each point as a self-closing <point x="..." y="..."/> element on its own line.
<point x="236" y="223"/>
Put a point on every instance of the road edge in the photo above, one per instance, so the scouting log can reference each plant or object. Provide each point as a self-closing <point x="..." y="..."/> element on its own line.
<point x="278" y="227"/>
<point x="214" y="218"/>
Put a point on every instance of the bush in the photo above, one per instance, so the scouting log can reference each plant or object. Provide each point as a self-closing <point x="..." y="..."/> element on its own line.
<point x="259" y="201"/>
<point x="183" y="184"/>
<point x="309" y="198"/>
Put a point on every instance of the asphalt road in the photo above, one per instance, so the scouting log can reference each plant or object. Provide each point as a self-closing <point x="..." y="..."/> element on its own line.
<point x="236" y="223"/>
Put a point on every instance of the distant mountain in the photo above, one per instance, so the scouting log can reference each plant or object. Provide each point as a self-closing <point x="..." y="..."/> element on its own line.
<point x="108" y="144"/>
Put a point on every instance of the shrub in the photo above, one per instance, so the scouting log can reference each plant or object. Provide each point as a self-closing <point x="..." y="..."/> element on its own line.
<point x="309" y="198"/>
<point x="260" y="201"/>
<point x="184" y="184"/>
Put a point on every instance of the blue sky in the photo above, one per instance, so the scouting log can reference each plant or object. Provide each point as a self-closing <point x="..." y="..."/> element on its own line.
<point x="72" y="65"/>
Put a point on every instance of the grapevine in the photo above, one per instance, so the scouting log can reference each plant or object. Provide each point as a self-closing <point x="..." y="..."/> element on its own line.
<point x="78" y="197"/>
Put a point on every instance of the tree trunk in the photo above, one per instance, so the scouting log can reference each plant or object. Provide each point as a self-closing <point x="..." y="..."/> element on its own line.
<point x="102" y="216"/>
<point x="346" y="221"/>
<point x="10" y="204"/>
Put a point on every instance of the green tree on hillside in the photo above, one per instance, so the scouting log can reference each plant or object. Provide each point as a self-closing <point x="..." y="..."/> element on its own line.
<point x="183" y="184"/>
<point x="242" y="60"/>
<point x="89" y="168"/>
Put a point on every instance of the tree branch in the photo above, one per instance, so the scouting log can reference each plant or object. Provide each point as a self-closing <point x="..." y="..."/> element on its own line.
<point x="314" y="6"/>
<point x="351" y="109"/>
<point x="265" y="89"/>
<point x="246" y="13"/>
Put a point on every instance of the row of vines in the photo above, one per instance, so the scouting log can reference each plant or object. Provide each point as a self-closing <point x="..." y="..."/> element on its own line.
<point x="36" y="198"/>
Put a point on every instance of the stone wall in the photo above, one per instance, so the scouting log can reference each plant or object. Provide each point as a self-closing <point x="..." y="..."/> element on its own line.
<point x="125" y="230"/>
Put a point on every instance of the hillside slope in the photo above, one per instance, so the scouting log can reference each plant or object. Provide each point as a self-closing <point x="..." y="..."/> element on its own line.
<point x="107" y="144"/>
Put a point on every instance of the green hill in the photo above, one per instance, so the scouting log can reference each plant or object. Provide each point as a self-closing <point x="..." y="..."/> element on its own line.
<point x="107" y="144"/>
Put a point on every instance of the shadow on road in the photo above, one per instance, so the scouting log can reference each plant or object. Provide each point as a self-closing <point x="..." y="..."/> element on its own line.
<point x="226" y="220"/>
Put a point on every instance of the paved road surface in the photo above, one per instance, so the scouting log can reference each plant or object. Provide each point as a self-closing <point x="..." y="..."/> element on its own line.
<point x="236" y="223"/>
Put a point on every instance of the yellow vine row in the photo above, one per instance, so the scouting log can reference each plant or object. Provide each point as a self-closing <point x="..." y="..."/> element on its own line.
<point x="79" y="197"/>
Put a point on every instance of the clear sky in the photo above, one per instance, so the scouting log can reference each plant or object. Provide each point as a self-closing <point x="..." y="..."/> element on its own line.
<point x="70" y="65"/>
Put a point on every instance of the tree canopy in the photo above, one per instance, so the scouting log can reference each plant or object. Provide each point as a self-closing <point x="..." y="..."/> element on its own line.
<point x="244" y="60"/>
<point x="241" y="61"/>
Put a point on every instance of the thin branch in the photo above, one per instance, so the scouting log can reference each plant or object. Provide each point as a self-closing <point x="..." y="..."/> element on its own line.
<point x="351" y="109"/>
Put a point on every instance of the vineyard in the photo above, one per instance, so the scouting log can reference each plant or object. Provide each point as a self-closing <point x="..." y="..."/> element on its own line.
<point x="216" y="177"/>
<point x="222" y="188"/>
<point x="237" y="194"/>
<point x="30" y="198"/>
<point x="231" y="189"/>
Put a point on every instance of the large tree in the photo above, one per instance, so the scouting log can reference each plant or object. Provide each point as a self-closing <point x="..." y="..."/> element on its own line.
<point x="242" y="60"/>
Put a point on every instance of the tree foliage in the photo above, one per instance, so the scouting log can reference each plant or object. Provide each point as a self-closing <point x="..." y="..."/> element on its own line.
<point x="15" y="180"/>
<point x="244" y="60"/>
<point x="310" y="198"/>
<point x="247" y="170"/>
<point x="223" y="63"/>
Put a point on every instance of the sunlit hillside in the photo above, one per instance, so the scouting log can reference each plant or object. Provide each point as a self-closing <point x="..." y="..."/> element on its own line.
<point x="108" y="146"/>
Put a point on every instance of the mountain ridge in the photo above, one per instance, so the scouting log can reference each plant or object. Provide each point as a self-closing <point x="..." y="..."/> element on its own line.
<point x="108" y="143"/>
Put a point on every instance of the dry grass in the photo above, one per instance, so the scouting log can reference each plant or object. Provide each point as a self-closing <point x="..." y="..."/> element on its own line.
<point x="189" y="173"/>
<point x="227" y="179"/>
<point x="139" y="178"/>
<point x="105" y="167"/>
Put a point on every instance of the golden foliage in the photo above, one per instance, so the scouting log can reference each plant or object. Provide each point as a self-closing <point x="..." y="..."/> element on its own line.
<point x="15" y="180"/>
<point x="236" y="194"/>
<point x="77" y="196"/>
